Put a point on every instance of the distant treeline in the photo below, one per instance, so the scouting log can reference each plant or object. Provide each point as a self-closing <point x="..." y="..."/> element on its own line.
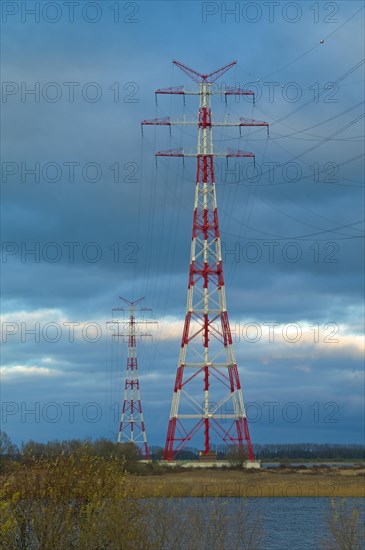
<point x="281" y="451"/>
<point x="131" y="454"/>
<point x="309" y="450"/>
<point x="103" y="448"/>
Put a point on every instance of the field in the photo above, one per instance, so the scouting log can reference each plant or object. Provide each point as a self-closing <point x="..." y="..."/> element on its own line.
<point x="276" y="482"/>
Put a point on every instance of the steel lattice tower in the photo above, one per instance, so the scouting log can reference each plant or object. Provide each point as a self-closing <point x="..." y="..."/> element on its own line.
<point x="131" y="427"/>
<point x="207" y="394"/>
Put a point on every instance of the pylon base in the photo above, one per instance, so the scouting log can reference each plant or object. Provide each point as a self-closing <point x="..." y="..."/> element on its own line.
<point x="247" y="465"/>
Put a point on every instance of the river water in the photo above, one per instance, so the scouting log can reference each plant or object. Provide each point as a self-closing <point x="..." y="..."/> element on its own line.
<point x="286" y="523"/>
<point x="311" y="464"/>
<point x="298" y="524"/>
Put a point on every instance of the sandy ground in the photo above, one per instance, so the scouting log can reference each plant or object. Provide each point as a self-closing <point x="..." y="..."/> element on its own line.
<point x="309" y="482"/>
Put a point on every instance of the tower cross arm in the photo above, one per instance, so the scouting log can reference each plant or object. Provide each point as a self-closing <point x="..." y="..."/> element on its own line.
<point x="238" y="91"/>
<point x="223" y="154"/>
<point x="179" y="152"/>
<point x="252" y="122"/>
<point x="126" y="322"/>
<point x="238" y="153"/>
<point x="146" y="322"/>
<point x="176" y="90"/>
<point x="212" y="77"/>
<point x="194" y="75"/>
<point x="131" y="303"/>
<point x="229" y="90"/>
<point x="126" y="335"/>
<point x="167" y="121"/>
<point x="179" y="90"/>
<point x="242" y="122"/>
<point x="164" y="121"/>
<point x="200" y="77"/>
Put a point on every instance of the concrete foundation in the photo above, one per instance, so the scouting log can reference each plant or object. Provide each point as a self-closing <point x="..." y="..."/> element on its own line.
<point x="249" y="464"/>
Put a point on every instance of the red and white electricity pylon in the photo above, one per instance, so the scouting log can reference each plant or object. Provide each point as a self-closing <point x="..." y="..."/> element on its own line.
<point x="207" y="393"/>
<point x="131" y="427"/>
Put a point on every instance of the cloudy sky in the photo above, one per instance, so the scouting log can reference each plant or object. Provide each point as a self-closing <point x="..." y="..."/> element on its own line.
<point x="88" y="217"/>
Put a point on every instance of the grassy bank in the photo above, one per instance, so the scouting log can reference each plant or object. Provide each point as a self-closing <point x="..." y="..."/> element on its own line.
<point x="283" y="482"/>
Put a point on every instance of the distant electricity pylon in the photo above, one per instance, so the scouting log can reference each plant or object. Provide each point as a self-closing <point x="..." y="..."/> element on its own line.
<point x="131" y="427"/>
<point x="207" y="365"/>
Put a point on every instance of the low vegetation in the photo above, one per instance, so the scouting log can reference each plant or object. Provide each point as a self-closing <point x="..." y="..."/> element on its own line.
<point x="86" y="502"/>
<point x="344" y="527"/>
<point x="92" y="495"/>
